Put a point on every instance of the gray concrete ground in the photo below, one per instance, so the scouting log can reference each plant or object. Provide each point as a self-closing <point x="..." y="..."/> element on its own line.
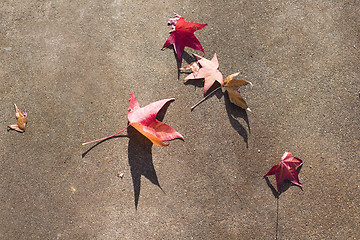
<point x="72" y="64"/>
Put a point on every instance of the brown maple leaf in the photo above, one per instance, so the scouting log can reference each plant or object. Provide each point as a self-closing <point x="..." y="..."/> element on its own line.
<point x="232" y="87"/>
<point x="230" y="84"/>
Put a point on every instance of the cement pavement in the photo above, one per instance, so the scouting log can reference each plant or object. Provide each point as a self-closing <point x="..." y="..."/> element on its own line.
<point x="72" y="65"/>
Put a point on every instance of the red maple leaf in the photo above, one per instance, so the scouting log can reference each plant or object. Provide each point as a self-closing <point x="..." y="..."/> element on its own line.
<point x="286" y="169"/>
<point x="183" y="36"/>
<point x="144" y="120"/>
<point x="208" y="72"/>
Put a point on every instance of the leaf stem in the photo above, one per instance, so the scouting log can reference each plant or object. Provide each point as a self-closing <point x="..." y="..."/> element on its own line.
<point x="97" y="140"/>
<point x="192" y="108"/>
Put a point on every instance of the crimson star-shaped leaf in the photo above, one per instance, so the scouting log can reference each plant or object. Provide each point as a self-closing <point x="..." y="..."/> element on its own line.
<point x="144" y="120"/>
<point x="183" y="36"/>
<point x="208" y="72"/>
<point x="286" y="169"/>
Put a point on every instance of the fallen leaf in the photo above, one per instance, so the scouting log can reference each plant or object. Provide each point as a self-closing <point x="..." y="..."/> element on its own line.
<point x="173" y="21"/>
<point x="194" y="67"/>
<point x="21" y="121"/>
<point x="144" y="120"/>
<point x="286" y="169"/>
<point x="208" y="72"/>
<point x="232" y="87"/>
<point x="230" y="84"/>
<point x="183" y="35"/>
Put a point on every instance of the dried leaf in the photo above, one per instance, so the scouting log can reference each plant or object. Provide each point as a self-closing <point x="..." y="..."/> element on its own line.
<point x="20" y="126"/>
<point x="193" y="67"/>
<point x="208" y="72"/>
<point x="232" y="87"/>
<point x="173" y="21"/>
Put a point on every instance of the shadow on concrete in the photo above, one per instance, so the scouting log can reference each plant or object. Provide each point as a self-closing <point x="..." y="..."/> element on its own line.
<point x="213" y="90"/>
<point x="200" y="83"/>
<point x="277" y="194"/>
<point x="140" y="158"/>
<point x="273" y="190"/>
<point x="186" y="56"/>
<point x="232" y="110"/>
<point x="139" y="155"/>
<point x="235" y="112"/>
<point x="98" y="143"/>
<point x="140" y="161"/>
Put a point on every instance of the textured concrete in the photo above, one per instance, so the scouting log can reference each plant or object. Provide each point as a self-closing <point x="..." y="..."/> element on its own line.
<point x="72" y="64"/>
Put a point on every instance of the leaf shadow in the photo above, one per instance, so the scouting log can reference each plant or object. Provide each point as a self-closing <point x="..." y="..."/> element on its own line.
<point x="140" y="161"/>
<point x="273" y="190"/>
<point x="140" y="157"/>
<point x="98" y="143"/>
<point x="284" y="187"/>
<point x="200" y="83"/>
<point x="12" y="129"/>
<point x="197" y="83"/>
<point x="161" y="114"/>
<point x="188" y="58"/>
<point x="185" y="55"/>
<point x="235" y="112"/>
<point x="277" y="194"/>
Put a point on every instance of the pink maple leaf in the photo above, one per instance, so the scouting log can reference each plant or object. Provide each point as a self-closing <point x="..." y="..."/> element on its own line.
<point x="144" y="120"/>
<point x="208" y="72"/>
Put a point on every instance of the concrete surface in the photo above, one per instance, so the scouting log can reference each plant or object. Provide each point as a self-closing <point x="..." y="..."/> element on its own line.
<point x="71" y="64"/>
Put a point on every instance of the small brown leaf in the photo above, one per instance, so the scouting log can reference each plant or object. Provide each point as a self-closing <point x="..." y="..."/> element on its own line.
<point x="21" y="121"/>
<point x="232" y="87"/>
